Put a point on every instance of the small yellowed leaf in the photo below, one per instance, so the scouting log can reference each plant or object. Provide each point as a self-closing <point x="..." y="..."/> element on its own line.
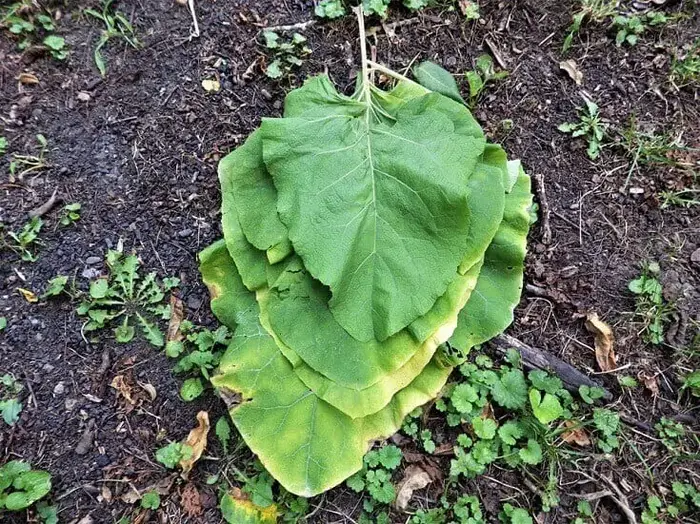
<point x="414" y="478"/>
<point x="211" y="85"/>
<point x="197" y="440"/>
<point x="604" y="340"/>
<point x="28" y="295"/>
<point x="572" y="70"/>
<point x="28" y="78"/>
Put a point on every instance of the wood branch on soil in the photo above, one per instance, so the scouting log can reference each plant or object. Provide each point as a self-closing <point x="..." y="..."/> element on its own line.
<point x="534" y="358"/>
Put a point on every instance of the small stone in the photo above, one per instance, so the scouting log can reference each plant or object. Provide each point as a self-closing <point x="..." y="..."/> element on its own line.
<point x="102" y="460"/>
<point x="71" y="403"/>
<point x="636" y="190"/>
<point x="83" y="96"/>
<point x="60" y="389"/>
<point x="92" y="260"/>
<point x="48" y="368"/>
<point x="90" y="273"/>
<point x="695" y="257"/>
<point x="184" y="233"/>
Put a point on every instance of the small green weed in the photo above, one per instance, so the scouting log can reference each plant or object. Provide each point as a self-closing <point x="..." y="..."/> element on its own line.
<point x="199" y="352"/>
<point x="30" y="23"/>
<point x="24" y="241"/>
<point x="590" y="126"/>
<point x="10" y="406"/>
<point x="150" y="500"/>
<point x="70" y="214"/>
<point x="685" y="68"/>
<point x="671" y="434"/>
<point x="650" y="303"/>
<point x="287" y="53"/>
<point x="21" y="486"/>
<point x="375" y="478"/>
<point x="630" y="28"/>
<point x="330" y="9"/>
<point x="691" y="383"/>
<point x="172" y="454"/>
<point x="116" y="27"/>
<point x="685" y="501"/>
<point x="480" y="77"/>
<point x="681" y="198"/>
<point x="512" y="515"/>
<point x="122" y="294"/>
<point x="593" y="11"/>
<point x="585" y="513"/>
<point x="3" y="145"/>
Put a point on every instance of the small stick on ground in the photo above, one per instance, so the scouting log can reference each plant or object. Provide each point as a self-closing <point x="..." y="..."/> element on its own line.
<point x="291" y="27"/>
<point x="534" y="358"/>
<point x="544" y="208"/>
<point x="45" y="207"/>
<point x="195" y="33"/>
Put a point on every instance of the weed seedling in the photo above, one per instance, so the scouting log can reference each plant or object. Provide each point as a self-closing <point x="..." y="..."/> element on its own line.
<point x="31" y="23"/>
<point x="10" y="406"/>
<point x="330" y="9"/>
<point x="650" y="303"/>
<point x="685" y="69"/>
<point x="24" y="241"/>
<point x="630" y="28"/>
<point x="590" y="126"/>
<point x="681" y="198"/>
<point x="286" y="54"/>
<point x="116" y="26"/>
<point x="375" y="478"/>
<point x="121" y="295"/>
<point x="671" y="434"/>
<point x="482" y="75"/>
<point x="512" y="515"/>
<point x="591" y="10"/>
<point x="70" y="214"/>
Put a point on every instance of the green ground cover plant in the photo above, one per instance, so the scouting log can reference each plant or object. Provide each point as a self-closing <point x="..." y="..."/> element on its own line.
<point x="355" y="230"/>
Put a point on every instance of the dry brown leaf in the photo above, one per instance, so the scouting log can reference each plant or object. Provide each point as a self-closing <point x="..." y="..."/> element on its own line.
<point x="414" y="478"/>
<point x="191" y="501"/>
<point x="28" y="78"/>
<point x="649" y="382"/>
<point x="604" y="341"/>
<point x="162" y="487"/>
<point x="572" y="70"/>
<point x="149" y="388"/>
<point x="123" y="389"/>
<point x="487" y="412"/>
<point x="29" y="296"/>
<point x="177" y="313"/>
<point x="197" y="440"/>
<point x="577" y="435"/>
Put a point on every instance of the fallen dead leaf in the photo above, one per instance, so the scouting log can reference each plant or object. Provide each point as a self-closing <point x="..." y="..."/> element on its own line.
<point x="28" y="78"/>
<point x="191" y="501"/>
<point x="211" y="85"/>
<point x="123" y="389"/>
<point x="487" y="412"/>
<point x="572" y="70"/>
<point x="28" y="295"/>
<point x="650" y="382"/>
<point x="106" y="493"/>
<point x="604" y="341"/>
<point x="149" y="388"/>
<point x="577" y="435"/>
<point x="177" y="313"/>
<point x="197" y="440"/>
<point x="414" y="478"/>
<point x="162" y="487"/>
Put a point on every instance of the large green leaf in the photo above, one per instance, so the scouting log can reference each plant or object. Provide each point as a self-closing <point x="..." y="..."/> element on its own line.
<point x="244" y="175"/>
<point x="489" y="310"/>
<point x="372" y="218"/>
<point x="305" y="443"/>
<point x="438" y="324"/>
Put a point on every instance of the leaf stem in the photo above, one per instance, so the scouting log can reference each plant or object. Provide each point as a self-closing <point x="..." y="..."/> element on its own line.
<point x="363" y="51"/>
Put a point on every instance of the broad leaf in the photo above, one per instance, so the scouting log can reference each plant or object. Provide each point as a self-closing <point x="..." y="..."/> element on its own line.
<point x="489" y="310"/>
<point x="376" y="219"/>
<point x="435" y="78"/>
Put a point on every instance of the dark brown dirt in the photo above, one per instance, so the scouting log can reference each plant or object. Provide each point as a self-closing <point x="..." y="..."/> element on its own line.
<point x="141" y="155"/>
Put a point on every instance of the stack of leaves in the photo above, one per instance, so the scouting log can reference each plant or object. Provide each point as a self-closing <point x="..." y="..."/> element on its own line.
<point x="362" y="234"/>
